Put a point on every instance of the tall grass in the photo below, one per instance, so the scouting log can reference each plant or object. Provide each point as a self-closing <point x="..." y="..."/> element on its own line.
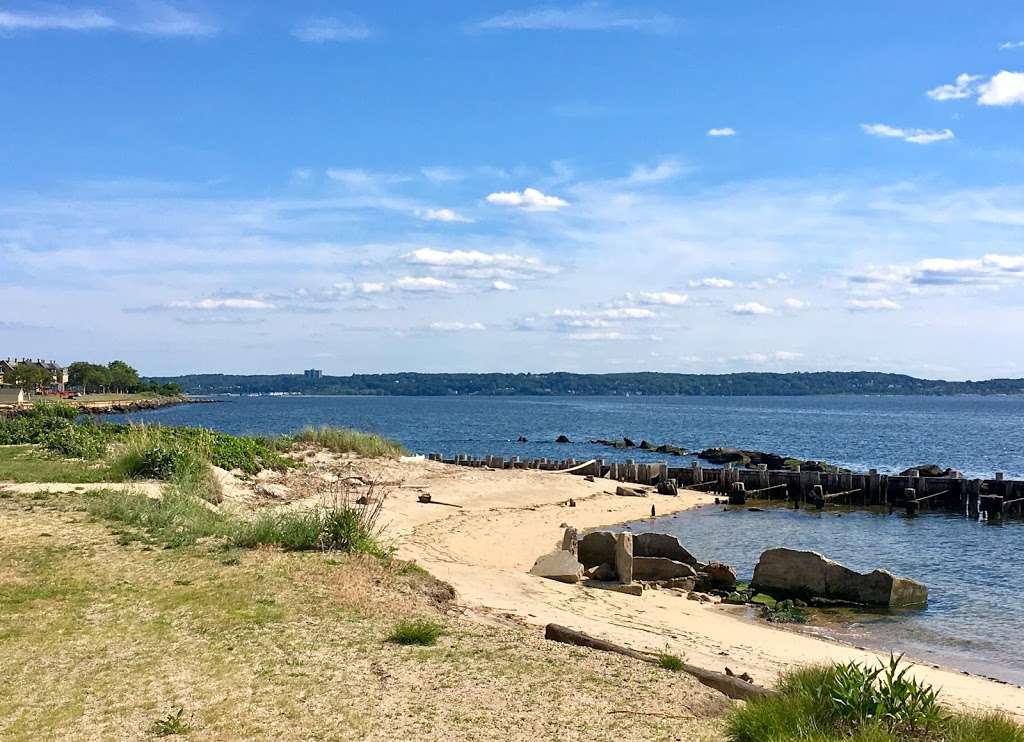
<point x="344" y="440"/>
<point x="181" y="518"/>
<point x="855" y="703"/>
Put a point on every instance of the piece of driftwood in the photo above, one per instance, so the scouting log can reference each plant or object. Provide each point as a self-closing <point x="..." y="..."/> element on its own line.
<point x="729" y="685"/>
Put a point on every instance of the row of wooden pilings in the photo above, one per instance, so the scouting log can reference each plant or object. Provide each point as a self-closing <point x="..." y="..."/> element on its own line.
<point x="989" y="498"/>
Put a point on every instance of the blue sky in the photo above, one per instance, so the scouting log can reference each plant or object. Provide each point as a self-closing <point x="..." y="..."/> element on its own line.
<point x="484" y="186"/>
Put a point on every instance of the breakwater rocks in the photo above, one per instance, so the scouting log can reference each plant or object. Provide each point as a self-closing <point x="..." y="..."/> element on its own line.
<point x="634" y="562"/>
<point x="722" y="455"/>
<point x="107" y="407"/>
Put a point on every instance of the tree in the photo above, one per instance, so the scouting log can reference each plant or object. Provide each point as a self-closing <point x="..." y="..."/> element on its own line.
<point x="29" y="376"/>
<point x="123" y="378"/>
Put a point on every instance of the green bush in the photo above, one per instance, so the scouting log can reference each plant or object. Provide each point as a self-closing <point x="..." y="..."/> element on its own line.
<point x="670" y="662"/>
<point x="417" y="631"/>
<point x="342" y="527"/>
<point x="854" y="703"/>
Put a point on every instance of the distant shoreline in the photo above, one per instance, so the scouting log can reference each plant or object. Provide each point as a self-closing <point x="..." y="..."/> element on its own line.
<point x="824" y="383"/>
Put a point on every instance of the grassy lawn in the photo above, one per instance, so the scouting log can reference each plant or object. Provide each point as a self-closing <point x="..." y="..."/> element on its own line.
<point x="107" y="641"/>
<point x="29" y="464"/>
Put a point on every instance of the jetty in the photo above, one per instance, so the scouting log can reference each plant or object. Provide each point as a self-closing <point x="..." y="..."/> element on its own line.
<point x="989" y="498"/>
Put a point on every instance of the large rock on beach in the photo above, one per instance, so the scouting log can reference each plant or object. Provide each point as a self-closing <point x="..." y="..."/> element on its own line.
<point x="624" y="557"/>
<point x="926" y="470"/>
<point x="595" y="548"/>
<point x="560" y="565"/>
<point x="659" y="568"/>
<point x="661" y="545"/>
<point x="807" y="574"/>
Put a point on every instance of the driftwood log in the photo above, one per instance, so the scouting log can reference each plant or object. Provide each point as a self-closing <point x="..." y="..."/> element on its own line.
<point x="729" y="685"/>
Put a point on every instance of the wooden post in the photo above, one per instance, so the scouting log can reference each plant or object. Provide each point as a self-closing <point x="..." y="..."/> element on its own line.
<point x="818" y="496"/>
<point x="738" y="494"/>
<point x="910" y="500"/>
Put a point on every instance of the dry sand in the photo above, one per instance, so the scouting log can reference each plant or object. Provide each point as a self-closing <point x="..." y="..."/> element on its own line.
<point x="507" y="519"/>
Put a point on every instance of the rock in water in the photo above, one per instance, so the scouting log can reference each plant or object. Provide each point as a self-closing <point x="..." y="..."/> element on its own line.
<point x="562" y="439"/>
<point x="926" y="470"/>
<point x="721" y="576"/>
<point x="802" y="574"/>
<point x="624" y="557"/>
<point x="560" y="566"/>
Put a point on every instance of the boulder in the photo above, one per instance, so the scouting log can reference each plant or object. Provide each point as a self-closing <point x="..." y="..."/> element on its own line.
<point x="720" y="575"/>
<point x="660" y="568"/>
<point x="926" y="470"/>
<point x="668" y="488"/>
<point x="627" y="443"/>
<point x="626" y="491"/>
<point x="807" y="574"/>
<point x="559" y="565"/>
<point x="596" y="547"/>
<point x="661" y="545"/>
<point x="602" y="573"/>
<point x="522" y="439"/>
<point x="624" y="557"/>
<point x="646" y="445"/>
<point x="562" y="439"/>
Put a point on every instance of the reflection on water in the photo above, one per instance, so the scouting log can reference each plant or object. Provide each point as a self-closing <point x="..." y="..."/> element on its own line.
<point x="971" y="568"/>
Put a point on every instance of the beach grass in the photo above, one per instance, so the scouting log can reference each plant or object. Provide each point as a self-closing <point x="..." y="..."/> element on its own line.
<point x="344" y="440"/>
<point x="28" y="463"/>
<point x="856" y="703"/>
<point x="670" y="662"/>
<point x="417" y="631"/>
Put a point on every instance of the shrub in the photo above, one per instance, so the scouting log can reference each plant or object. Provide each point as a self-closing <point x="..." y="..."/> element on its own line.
<point x="338" y="527"/>
<point x="343" y="440"/>
<point x="852" y="702"/>
<point x="417" y="631"/>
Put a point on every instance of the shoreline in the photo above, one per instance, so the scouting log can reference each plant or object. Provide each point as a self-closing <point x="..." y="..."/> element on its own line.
<point x="110" y="406"/>
<point x="506" y="519"/>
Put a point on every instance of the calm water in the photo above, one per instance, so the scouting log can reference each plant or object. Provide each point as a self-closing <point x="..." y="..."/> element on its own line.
<point x="978" y="435"/>
<point x="972" y="569"/>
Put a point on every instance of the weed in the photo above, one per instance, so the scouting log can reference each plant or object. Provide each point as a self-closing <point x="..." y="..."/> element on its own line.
<point x="174" y="723"/>
<point x="670" y="662"/>
<point x="418" y="631"/>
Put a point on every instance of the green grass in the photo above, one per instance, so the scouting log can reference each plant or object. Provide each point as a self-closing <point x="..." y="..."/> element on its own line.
<point x="417" y="631"/>
<point x="670" y="662"/>
<point x="854" y="703"/>
<point x="28" y="463"/>
<point x="343" y="440"/>
<point x="174" y="723"/>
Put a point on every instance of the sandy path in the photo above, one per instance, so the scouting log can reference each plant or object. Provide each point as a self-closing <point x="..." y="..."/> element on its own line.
<point x="508" y="518"/>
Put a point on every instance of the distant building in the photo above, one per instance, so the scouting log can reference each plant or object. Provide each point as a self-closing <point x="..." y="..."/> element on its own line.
<point x="58" y="374"/>
<point x="313" y="373"/>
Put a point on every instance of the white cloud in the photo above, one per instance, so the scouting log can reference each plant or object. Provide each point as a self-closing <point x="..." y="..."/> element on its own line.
<point x="989" y="270"/>
<point x="872" y="305"/>
<point x="964" y="87"/>
<point x="589" y="17"/>
<point x="502" y="286"/>
<point x="456" y="326"/>
<point x="795" y="304"/>
<point x="712" y="283"/>
<point x="615" y="313"/>
<point x="508" y="263"/>
<point x="914" y="136"/>
<point x="440" y="174"/>
<point x="208" y="305"/>
<point x="1012" y="45"/>
<point x="529" y="199"/>
<point x="724" y="131"/>
<point x="664" y="298"/>
<point x="595" y="336"/>
<point x="751" y="308"/>
<point x="442" y="215"/>
<point x="372" y="288"/>
<point x="787" y="355"/>
<point x="762" y="358"/>
<point x="151" y="18"/>
<point x="324" y="30"/>
<point x="1004" y="89"/>
<point x="422" y="283"/>
<point x="665" y="170"/>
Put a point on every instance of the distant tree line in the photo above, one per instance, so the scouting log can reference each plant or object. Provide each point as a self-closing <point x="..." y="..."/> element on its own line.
<point x="117" y="377"/>
<point x="555" y="384"/>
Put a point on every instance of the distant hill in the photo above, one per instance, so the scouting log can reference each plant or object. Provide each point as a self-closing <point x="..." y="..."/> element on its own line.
<point x="556" y="384"/>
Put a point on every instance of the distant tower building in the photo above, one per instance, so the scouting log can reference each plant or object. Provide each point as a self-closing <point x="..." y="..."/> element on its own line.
<point x="313" y="373"/>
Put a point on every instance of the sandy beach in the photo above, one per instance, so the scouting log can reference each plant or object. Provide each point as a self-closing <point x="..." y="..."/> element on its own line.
<point x="494" y="524"/>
